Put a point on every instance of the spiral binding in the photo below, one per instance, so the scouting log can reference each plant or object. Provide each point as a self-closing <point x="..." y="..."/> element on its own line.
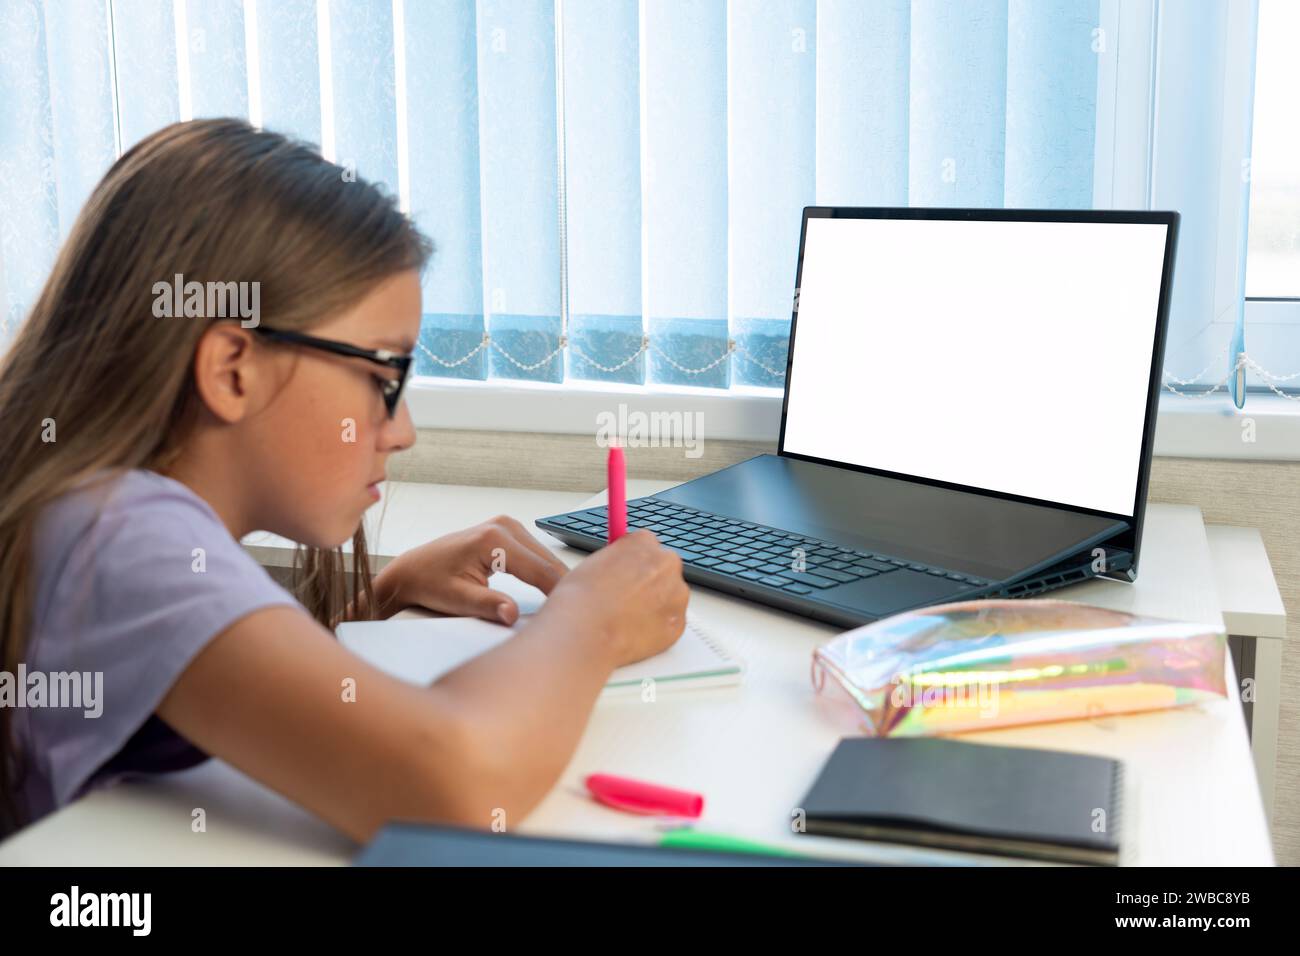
<point x="1116" y="813"/>
<point x="710" y="641"/>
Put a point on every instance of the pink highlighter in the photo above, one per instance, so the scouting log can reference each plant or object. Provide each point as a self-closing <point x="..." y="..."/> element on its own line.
<point x="617" y="483"/>
<point x="637" y="796"/>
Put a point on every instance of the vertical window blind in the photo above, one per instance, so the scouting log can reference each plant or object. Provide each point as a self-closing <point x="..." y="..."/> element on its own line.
<point x="614" y="187"/>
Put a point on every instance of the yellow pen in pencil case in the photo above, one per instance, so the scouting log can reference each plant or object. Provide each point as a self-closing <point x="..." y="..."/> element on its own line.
<point x="983" y="664"/>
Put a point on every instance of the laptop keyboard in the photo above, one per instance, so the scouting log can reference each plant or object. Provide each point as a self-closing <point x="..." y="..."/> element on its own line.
<point x="751" y="552"/>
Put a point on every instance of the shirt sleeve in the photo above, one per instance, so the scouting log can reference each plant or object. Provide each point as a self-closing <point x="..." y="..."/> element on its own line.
<point x="152" y="579"/>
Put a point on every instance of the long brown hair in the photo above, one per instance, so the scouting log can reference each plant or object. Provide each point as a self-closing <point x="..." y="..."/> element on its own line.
<point x="212" y="200"/>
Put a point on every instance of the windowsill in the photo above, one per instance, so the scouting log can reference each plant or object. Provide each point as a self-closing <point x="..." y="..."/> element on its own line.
<point x="1187" y="427"/>
<point x="1267" y="429"/>
<point x="578" y="408"/>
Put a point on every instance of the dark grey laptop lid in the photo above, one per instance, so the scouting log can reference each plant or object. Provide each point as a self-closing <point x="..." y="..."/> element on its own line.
<point x="1124" y="532"/>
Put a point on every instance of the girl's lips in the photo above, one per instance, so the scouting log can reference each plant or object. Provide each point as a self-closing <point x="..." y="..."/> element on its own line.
<point x="374" y="490"/>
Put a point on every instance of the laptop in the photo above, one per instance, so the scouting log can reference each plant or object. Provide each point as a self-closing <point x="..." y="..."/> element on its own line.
<point x="970" y="404"/>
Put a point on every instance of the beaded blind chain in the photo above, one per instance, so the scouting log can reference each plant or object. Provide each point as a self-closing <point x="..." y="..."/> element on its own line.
<point x="1270" y="379"/>
<point x="1173" y="383"/>
<point x="733" y="347"/>
<point x="1243" y="361"/>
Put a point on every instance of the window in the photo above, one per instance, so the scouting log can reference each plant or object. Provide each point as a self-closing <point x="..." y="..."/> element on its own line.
<point x="642" y="167"/>
<point x="1273" y="256"/>
<point x="1273" y="249"/>
<point x="615" y="186"/>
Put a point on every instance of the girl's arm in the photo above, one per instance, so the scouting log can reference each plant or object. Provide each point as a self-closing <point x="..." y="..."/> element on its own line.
<point x="276" y="696"/>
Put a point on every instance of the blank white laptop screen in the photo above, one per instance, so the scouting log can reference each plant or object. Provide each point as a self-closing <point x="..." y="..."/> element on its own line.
<point x="1004" y="356"/>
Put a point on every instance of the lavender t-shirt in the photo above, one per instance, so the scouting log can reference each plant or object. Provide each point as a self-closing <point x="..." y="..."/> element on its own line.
<point x="133" y="577"/>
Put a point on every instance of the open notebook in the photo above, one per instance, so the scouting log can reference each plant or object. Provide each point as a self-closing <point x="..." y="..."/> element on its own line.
<point x="420" y="650"/>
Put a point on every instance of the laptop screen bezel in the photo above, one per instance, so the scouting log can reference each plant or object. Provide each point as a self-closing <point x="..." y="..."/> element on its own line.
<point x="1129" y="541"/>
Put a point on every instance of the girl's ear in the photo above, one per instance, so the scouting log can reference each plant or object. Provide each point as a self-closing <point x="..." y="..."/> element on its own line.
<point x="226" y="372"/>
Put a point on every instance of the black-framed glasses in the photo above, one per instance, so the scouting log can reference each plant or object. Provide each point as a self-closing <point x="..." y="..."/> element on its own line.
<point x="391" y="388"/>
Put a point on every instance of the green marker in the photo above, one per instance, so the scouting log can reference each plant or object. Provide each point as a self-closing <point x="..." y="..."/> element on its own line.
<point x="689" y="839"/>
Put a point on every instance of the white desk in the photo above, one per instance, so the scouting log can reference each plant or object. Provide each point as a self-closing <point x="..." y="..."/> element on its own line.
<point x="753" y="750"/>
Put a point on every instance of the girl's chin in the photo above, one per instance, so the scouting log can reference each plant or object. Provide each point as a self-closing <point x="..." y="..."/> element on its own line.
<point x="332" y="538"/>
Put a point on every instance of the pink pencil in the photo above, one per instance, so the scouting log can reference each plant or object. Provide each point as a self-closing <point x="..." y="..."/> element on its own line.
<point x="617" y="482"/>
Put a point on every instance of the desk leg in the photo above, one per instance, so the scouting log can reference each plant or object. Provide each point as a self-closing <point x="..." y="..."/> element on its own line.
<point x="1243" y="661"/>
<point x="1260" y="660"/>
<point x="1268" y="700"/>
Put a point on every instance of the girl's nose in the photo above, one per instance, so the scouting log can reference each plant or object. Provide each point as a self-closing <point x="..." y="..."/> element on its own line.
<point x="398" y="432"/>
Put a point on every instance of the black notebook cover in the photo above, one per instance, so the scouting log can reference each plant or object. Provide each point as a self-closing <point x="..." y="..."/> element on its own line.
<point x="1008" y="801"/>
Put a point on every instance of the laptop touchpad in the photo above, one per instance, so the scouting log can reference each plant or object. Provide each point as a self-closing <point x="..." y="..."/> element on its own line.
<point x="888" y="593"/>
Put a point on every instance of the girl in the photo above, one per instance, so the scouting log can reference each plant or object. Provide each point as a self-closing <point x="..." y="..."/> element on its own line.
<point x="138" y="449"/>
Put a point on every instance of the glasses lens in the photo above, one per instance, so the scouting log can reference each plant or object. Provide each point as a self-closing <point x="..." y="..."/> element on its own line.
<point x="393" y="390"/>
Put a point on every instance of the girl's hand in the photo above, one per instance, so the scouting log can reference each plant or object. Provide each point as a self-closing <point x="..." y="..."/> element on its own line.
<point x="630" y="592"/>
<point x="450" y="574"/>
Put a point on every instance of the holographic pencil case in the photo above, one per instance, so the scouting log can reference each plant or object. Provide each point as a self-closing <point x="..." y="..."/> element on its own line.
<point x="977" y="665"/>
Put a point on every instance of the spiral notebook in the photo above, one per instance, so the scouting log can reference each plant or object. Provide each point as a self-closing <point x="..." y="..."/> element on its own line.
<point x="420" y="650"/>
